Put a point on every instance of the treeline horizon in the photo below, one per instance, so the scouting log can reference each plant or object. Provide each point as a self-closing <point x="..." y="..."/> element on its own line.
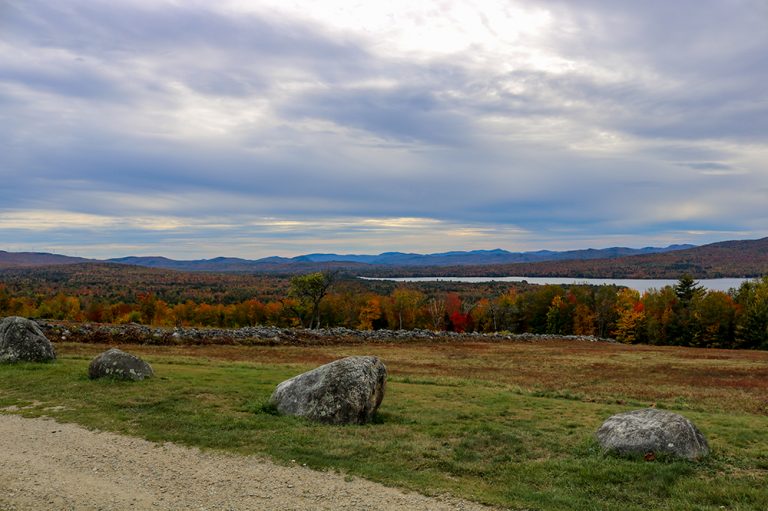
<point x="684" y="314"/>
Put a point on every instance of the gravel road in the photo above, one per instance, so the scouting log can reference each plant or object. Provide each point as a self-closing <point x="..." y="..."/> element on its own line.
<point x="45" y="465"/>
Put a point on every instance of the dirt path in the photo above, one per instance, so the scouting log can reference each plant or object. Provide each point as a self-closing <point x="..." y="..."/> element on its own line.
<point x="45" y="465"/>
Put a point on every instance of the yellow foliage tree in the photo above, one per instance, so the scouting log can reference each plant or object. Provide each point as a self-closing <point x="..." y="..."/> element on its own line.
<point x="631" y="316"/>
<point x="370" y="312"/>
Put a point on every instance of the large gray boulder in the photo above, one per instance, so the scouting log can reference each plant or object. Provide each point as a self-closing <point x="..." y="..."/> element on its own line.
<point x="652" y="431"/>
<point x="22" y="340"/>
<point x="347" y="391"/>
<point x="117" y="364"/>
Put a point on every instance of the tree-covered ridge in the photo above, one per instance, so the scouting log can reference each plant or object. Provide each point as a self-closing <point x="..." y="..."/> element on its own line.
<point x="683" y="314"/>
<point x="747" y="258"/>
<point x="744" y="258"/>
<point x="313" y="262"/>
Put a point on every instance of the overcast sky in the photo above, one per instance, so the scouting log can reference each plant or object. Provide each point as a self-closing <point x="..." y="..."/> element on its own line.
<point x="253" y="128"/>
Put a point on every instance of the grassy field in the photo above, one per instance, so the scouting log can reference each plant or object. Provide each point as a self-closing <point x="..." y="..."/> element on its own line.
<point x="509" y="424"/>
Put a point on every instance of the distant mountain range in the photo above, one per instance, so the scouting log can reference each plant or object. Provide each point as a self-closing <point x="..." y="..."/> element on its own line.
<point x="743" y="258"/>
<point x="387" y="259"/>
<point x="473" y="257"/>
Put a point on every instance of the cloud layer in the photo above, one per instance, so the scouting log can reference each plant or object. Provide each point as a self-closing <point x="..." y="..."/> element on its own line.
<point x="277" y="128"/>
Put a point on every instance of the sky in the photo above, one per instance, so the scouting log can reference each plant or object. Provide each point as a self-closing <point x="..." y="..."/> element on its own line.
<point x="195" y="129"/>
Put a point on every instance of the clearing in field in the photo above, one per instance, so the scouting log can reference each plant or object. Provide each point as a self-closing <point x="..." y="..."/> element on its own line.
<point x="508" y="424"/>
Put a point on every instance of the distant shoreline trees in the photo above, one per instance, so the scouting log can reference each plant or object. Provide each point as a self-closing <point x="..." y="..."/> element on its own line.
<point x="684" y="314"/>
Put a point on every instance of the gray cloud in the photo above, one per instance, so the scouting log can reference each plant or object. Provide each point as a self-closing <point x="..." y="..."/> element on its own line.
<point x="707" y="165"/>
<point x="698" y="66"/>
<point x="407" y="115"/>
<point x="656" y="126"/>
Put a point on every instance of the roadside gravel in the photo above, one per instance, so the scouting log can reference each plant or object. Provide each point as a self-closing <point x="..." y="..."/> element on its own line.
<point x="45" y="465"/>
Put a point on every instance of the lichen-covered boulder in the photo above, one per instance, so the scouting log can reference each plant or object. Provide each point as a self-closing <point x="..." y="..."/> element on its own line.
<point x="652" y="431"/>
<point x="115" y="363"/>
<point x="21" y="340"/>
<point x="347" y="391"/>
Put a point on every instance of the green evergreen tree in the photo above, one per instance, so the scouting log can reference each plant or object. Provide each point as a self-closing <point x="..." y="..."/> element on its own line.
<point x="688" y="289"/>
<point x="685" y="327"/>
<point x="752" y="323"/>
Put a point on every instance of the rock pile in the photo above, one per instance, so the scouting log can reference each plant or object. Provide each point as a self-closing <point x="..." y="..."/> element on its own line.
<point x="347" y="391"/>
<point x="22" y="340"/>
<point x="269" y="335"/>
<point x="117" y="364"/>
<point x="650" y="432"/>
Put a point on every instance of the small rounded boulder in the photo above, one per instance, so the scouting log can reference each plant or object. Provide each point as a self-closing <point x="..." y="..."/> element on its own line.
<point x="21" y="340"/>
<point x="117" y="364"/>
<point x="652" y="431"/>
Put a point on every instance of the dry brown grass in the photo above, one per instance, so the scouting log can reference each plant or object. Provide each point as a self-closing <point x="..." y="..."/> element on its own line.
<point x="727" y="380"/>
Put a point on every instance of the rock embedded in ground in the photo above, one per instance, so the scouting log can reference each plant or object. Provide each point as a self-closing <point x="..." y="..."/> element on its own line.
<point x="346" y="391"/>
<point x="652" y="431"/>
<point x="21" y="340"/>
<point x="117" y="364"/>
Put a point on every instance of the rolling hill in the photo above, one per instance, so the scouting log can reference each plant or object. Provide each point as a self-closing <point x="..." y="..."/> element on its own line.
<point x="32" y="259"/>
<point x="473" y="257"/>
<point x="742" y="258"/>
<point x="311" y="262"/>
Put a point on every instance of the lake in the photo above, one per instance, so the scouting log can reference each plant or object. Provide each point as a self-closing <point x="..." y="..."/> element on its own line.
<point x="641" y="285"/>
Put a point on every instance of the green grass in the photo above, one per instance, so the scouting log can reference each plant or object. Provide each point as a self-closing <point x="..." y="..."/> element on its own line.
<point x="484" y="440"/>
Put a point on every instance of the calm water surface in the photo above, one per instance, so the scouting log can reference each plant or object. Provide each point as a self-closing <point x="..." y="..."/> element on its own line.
<point x="641" y="285"/>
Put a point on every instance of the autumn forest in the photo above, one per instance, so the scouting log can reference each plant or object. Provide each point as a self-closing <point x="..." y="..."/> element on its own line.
<point x="684" y="314"/>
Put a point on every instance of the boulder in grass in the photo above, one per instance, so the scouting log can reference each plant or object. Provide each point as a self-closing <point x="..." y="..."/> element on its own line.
<point x="21" y="340"/>
<point x="117" y="364"/>
<point x="347" y="391"/>
<point x="652" y="431"/>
